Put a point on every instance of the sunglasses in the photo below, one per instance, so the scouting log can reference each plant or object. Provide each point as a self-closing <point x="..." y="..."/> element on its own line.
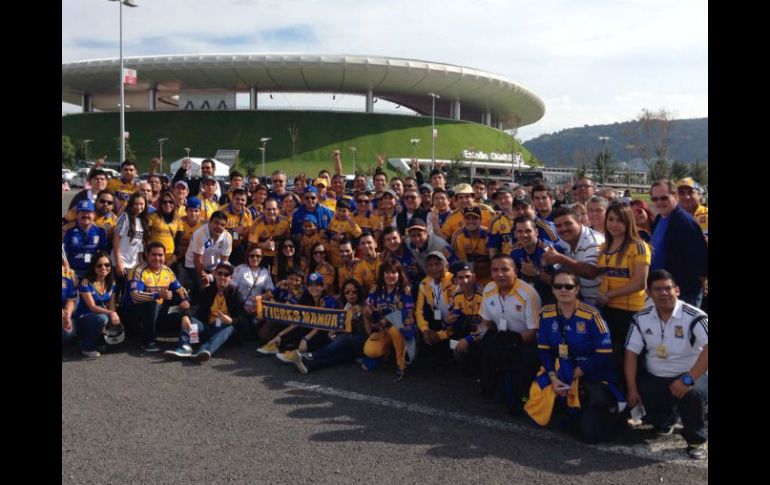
<point x="224" y="274"/>
<point x="409" y="197"/>
<point x="351" y="292"/>
<point x="564" y="286"/>
<point x="104" y="265"/>
<point x="288" y="246"/>
<point x="319" y="252"/>
<point x="167" y="202"/>
<point x="313" y="197"/>
<point x="277" y="181"/>
<point x="663" y="198"/>
<point x="106" y="202"/>
<point x="255" y="255"/>
<point x="363" y="201"/>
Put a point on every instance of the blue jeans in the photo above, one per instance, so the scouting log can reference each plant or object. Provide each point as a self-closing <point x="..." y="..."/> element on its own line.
<point x="67" y="336"/>
<point x="217" y="336"/>
<point x="344" y="348"/>
<point x="662" y="407"/>
<point x="90" y="329"/>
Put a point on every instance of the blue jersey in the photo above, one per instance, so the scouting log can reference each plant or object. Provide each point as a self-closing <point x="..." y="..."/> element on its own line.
<point x="322" y="213"/>
<point x="383" y="303"/>
<point x="68" y="291"/>
<point x="288" y="296"/>
<point x="81" y="247"/>
<point x="520" y="254"/>
<point x="102" y="300"/>
<point x="413" y="272"/>
<point x="587" y="338"/>
<point x="546" y="231"/>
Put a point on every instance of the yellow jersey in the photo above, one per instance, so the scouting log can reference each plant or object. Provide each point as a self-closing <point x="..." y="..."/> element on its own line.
<point x="473" y="249"/>
<point x="456" y="220"/>
<point x="501" y="235"/>
<point x="219" y="305"/>
<point x="208" y="207"/>
<point x="237" y="221"/>
<point x="369" y="221"/>
<point x="262" y="231"/>
<point x="702" y="217"/>
<point x="164" y="232"/>
<point x="366" y="273"/>
<point x="616" y="274"/>
<point x="187" y="234"/>
<point x="336" y="226"/>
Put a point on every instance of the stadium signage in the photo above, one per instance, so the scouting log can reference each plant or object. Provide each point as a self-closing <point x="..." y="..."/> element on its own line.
<point x="492" y="157"/>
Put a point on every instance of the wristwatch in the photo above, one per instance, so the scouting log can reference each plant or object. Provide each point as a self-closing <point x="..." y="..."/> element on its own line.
<point x="687" y="380"/>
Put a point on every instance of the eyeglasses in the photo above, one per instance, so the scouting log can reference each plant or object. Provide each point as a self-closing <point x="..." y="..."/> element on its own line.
<point x="686" y="191"/>
<point x="106" y="202"/>
<point x="310" y="197"/>
<point x="167" y="202"/>
<point x="405" y="197"/>
<point x="663" y="198"/>
<point x="564" y="286"/>
<point x="255" y="255"/>
<point x="104" y="265"/>
<point x="277" y="181"/>
<point x="352" y="291"/>
<point x="224" y="274"/>
<point x="362" y="201"/>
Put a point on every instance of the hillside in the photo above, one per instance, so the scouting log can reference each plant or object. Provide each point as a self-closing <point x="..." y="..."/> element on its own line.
<point x="688" y="142"/>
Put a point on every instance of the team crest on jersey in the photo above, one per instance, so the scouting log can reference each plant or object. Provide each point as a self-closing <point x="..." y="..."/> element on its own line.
<point x="75" y="239"/>
<point x="96" y="239"/>
<point x="63" y="284"/>
<point x="520" y="308"/>
<point x="555" y="326"/>
<point x="580" y="327"/>
<point x="679" y="331"/>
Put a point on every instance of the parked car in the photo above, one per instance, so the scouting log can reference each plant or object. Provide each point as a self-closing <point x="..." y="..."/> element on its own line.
<point x="79" y="180"/>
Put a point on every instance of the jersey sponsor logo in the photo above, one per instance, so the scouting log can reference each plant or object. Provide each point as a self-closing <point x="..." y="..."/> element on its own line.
<point x="520" y="308"/>
<point x="678" y="331"/>
<point x="607" y="341"/>
<point x="648" y="332"/>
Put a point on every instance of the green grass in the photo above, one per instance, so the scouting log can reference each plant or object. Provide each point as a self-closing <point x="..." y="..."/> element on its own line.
<point x="319" y="134"/>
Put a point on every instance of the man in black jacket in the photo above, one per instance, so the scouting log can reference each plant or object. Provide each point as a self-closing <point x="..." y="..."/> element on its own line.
<point x="411" y="202"/>
<point x="219" y="309"/>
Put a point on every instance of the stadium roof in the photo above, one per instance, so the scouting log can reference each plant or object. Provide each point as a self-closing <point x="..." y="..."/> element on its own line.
<point x="402" y="81"/>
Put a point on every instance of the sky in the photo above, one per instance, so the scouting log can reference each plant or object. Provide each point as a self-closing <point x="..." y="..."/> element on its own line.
<point x="590" y="61"/>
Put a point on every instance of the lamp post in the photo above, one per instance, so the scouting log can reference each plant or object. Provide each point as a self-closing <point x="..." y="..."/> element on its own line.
<point x="85" y="148"/>
<point x="604" y="140"/>
<point x="127" y="3"/>
<point x="433" y="130"/>
<point x="414" y="142"/>
<point x="264" y="141"/>
<point x="161" y="141"/>
<point x="354" y="150"/>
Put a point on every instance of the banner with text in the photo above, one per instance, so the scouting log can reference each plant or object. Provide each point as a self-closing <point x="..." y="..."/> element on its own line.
<point x="305" y="316"/>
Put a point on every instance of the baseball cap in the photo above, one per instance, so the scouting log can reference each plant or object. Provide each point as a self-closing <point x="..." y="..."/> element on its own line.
<point x="463" y="189"/>
<point x="458" y="266"/>
<point x="310" y="218"/>
<point x="502" y="190"/>
<point x="436" y="254"/>
<point x="207" y="178"/>
<point x="417" y="223"/>
<point x="193" y="203"/>
<point x="225" y="265"/>
<point x="85" y="206"/>
<point x="689" y="182"/>
<point x="315" y="279"/>
<point x="182" y="182"/>
<point x="475" y="210"/>
<point x="391" y="193"/>
<point x="522" y="200"/>
<point x="311" y="189"/>
<point x="426" y="187"/>
<point x="319" y="181"/>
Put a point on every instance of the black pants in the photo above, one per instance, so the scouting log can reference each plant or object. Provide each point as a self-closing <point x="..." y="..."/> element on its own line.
<point x="507" y="362"/>
<point x="662" y="407"/>
<point x="618" y="322"/>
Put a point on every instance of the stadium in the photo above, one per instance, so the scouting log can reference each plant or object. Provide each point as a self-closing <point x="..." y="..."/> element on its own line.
<point x="196" y="101"/>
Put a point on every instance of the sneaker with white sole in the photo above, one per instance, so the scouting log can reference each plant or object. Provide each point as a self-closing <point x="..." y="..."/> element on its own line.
<point x="268" y="349"/>
<point x="150" y="348"/>
<point x="664" y="430"/>
<point x="697" y="452"/>
<point x="295" y="358"/>
<point x="90" y="354"/>
<point x="183" y="352"/>
<point x="285" y="357"/>
<point x="201" y="356"/>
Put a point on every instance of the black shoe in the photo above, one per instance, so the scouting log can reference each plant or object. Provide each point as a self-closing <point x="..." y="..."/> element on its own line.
<point x="697" y="452"/>
<point x="664" y="430"/>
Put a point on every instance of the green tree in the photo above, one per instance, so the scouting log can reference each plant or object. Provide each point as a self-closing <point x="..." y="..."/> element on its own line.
<point x="660" y="170"/>
<point x="455" y="172"/>
<point x="67" y="152"/>
<point x="130" y="155"/>
<point x="604" y="166"/>
<point x="679" y="170"/>
<point x="699" y="171"/>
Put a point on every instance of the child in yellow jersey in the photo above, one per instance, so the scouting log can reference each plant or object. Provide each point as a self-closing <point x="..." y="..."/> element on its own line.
<point x="341" y="225"/>
<point x="310" y="236"/>
<point x="465" y="314"/>
<point x="367" y="219"/>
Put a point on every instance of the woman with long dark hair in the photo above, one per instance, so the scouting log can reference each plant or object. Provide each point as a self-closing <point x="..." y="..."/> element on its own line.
<point x="287" y="260"/>
<point x="319" y="263"/>
<point x="624" y="259"/>
<point x="97" y="304"/>
<point x="130" y="236"/>
<point x="390" y="295"/>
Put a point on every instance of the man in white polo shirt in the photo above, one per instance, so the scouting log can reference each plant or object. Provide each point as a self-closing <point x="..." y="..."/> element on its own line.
<point x="509" y="314"/>
<point x="675" y="335"/>
<point x="210" y="245"/>
<point x="583" y="252"/>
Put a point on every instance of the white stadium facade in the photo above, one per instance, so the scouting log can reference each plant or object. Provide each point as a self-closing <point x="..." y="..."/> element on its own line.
<point x="211" y="82"/>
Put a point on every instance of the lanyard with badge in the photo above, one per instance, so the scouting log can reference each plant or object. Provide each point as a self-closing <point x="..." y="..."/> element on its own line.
<point x="563" y="347"/>
<point x="502" y="323"/>
<point x="436" y="299"/>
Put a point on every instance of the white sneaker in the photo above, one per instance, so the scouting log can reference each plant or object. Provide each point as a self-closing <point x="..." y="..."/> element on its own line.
<point x="92" y="354"/>
<point x="285" y="357"/>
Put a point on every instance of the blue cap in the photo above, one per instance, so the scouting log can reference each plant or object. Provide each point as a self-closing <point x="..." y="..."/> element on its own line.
<point x="311" y="189"/>
<point x="194" y="203"/>
<point x="85" y="205"/>
<point x="315" y="278"/>
<point x="310" y="218"/>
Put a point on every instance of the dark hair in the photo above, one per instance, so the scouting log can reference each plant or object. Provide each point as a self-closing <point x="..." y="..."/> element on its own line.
<point x="564" y="210"/>
<point x="240" y="192"/>
<point x="380" y="172"/>
<point x="96" y="171"/>
<point x="126" y="163"/>
<point x="218" y="215"/>
<point x="155" y="244"/>
<point x="543" y="188"/>
<point x="626" y="216"/>
<point x="105" y="191"/>
<point x="313" y="266"/>
<point x="388" y="230"/>
<point x="109" y="280"/>
<point x="208" y="160"/>
<point x="282" y="270"/>
<point x="338" y="176"/>
<point x="235" y="173"/>
<point x="391" y="265"/>
<point x="343" y="204"/>
<point x="396" y="178"/>
<point x="345" y="240"/>
<point x="478" y="181"/>
<point x="524" y="218"/>
<point x="658" y="275"/>
<point x="261" y="187"/>
<point x="502" y="256"/>
<point x="568" y="272"/>
<point x="142" y="216"/>
<point x="361" y="294"/>
<point x="169" y="195"/>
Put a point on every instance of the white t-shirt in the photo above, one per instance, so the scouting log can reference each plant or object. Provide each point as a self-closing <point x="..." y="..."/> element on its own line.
<point x="587" y="251"/>
<point x="130" y="247"/>
<point x="212" y="251"/>
<point x="516" y="311"/>
<point x="251" y="283"/>
<point x="648" y="330"/>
